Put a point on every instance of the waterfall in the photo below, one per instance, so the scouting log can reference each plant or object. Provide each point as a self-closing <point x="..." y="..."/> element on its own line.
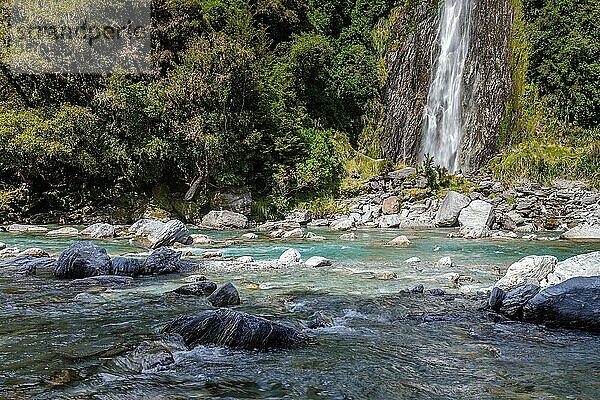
<point x="442" y="127"/>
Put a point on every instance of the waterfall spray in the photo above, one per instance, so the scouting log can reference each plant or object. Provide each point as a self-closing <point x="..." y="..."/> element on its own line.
<point x="442" y="126"/>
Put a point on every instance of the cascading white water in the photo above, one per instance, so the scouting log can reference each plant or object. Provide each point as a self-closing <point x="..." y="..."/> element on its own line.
<point x="442" y="127"/>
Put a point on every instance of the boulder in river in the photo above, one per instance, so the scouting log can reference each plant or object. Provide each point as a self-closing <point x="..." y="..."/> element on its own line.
<point x="342" y="224"/>
<point x="28" y="265"/>
<point x="99" y="231"/>
<point x="162" y="261"/>
<point x="82" y="260"/>
<point x="574" y="303"/>
<point x="224" y="220"/>
<point x="126" y="266"/>
<point x="203" y="288"/>
<point x="317" y="261"/>
<point x="512" y="302"/>
<point x="581" y="265"/>
<point x="399" y="241"/>
<point x="226" y="295"/>
<point x="21" y="228"/>
<point x="234" y="329"/>
<point x="531" y="269"/>
<point x="145" y="226"/>
<point x="452" y="205"/>
<point x="583" y="232"/>
<point x="34" y="252"/>
<point x="289" y="257"/>
<point x="173" y="231"/>
<point x="65" y="231"/>
<point x="476" y="219"/>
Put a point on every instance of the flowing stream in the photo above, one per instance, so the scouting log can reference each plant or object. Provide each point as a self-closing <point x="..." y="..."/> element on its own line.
<point x="60" y="341"/>
<point x="442" y="126"/>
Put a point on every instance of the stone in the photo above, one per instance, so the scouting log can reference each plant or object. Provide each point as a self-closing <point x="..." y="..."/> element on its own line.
<point x="386" y="276"/>
<point x="581" y="265"/>
<point x="297" y="233"/>
<point x="82" y="260"/>
<point x="236" y="200"/>
<point x="224" y="220"/>
<point x="199" y="239"/>
<point x="583" y="232"/>
<point x="212" y="254"/>
<point x="317" y="261"/>
<point x="99" y="231"/>
<point x="277" y="234"/>
<point x="145" y="226"/>
<point x="245" y="259"/>
<point x="496" y="297"/>
<point x="66" y="231"/>
<point x="574" y="303"/>
<point x="348" y="236"/>
<point x="234" y="329"/>
<point x="195" y="278"/>
<point x="514" y="300"/>
<point x="391" y="205"/>
<point x="437" y="292"/>
<point x="531" y="269"/>
<point x="27" y="265"/>
<point x="226" y="295"/>
<point x="413" y="260"/>
<point x="126" y="266"/>
<point x="402" y="173"/>
<point x="290" y="257"/>
<point x="34" y="252"/>
<point x="390" y="221"/>
<point x="174" y="231"/>
<point x="476" y="219"/>
<point x="299" y="216"/>
<point x="512" y="220"/>
<point x="343" y="224"/>
<point x="203" y="288"/>
<point x="162" y="261"/>
<point x="417" y="289"/>
<point x="399" y="241"/>
<point x="21" y="228"/>
<point x="249" y="236"/>
<point x="314" y="236"/>
<point x="318" y="222"/>
<point x="452" y="205"/>
<point x="319" y="320"/>
<point x="444" y="262"/>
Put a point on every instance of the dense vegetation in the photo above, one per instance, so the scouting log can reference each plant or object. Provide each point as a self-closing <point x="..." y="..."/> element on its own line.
<point x="558" y="43"/>
<point x="279" y="96"/>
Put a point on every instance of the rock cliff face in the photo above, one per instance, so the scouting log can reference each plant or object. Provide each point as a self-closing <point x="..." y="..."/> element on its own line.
<point x="486" y="81"/>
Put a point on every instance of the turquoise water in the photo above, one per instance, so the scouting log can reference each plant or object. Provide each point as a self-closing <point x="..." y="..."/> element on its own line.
<point x="381" y="345"/>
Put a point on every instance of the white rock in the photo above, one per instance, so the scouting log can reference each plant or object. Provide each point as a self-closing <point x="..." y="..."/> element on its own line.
<point x="171" y="232"/>
<point x="313" y="236"/>
<point x="583" y="232"/>
<point x="245" y="259"/>
<point x="531" y="269"/>
<point x="444" y="262"/>
<point x="66" y="231"/>
<point x="317" y="261"/>
<point x="476" y="219"/>
<point x="249" y="236"/>
<point x="99" y="231"/>
<point x="224" y="220"/>
<point x="389" y="221"/>
<point x="289" y="257"/>
<point x="344" y="224"/>
<point x="145" y="226"/>
<point x="34" y="252"/>
<point x="198" y="239"/>
<point x="212" y="254"/>
<point x="581" y="265"/>
<point x="447" y="214"/>
<point x="277" y="233"/>
<point x="348" y="236"/>
<point x="413" y="260"/>
<point x="20" y="228"/>
<point x="399" y="241"/>
<point x="297" y="233"/>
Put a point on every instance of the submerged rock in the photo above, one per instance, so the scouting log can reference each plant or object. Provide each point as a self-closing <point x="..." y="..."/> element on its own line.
<point x="226" y="295"/>
<point x="82" y="260"/>
<point x="203" y="288"/>
<point x="574" y="303"/>
<point x="126" y="266"/>
<point x="234" y="329"/>
<point x="28" y="265"/>
<point x="317" y="261"/>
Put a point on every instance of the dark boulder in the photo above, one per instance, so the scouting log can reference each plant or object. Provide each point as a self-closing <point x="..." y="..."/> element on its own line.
<point x="82" y="260"/>
<point x="126" y="266"/>
<point x="514" y="300"/>
<point x="162" y="261"/>
<point x="234" y="329"/>
<point x="28" y="265"/>
<point x="574" y="303"/>
<point x="417" y="289"/>
<point x="226" y="295"/>
<point x="496" y="297"/>
<point x="197" y="289"/>
<point x="437" y="292"/>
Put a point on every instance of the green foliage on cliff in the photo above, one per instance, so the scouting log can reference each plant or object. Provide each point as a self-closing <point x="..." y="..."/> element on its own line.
<point x="553" y="117"/>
